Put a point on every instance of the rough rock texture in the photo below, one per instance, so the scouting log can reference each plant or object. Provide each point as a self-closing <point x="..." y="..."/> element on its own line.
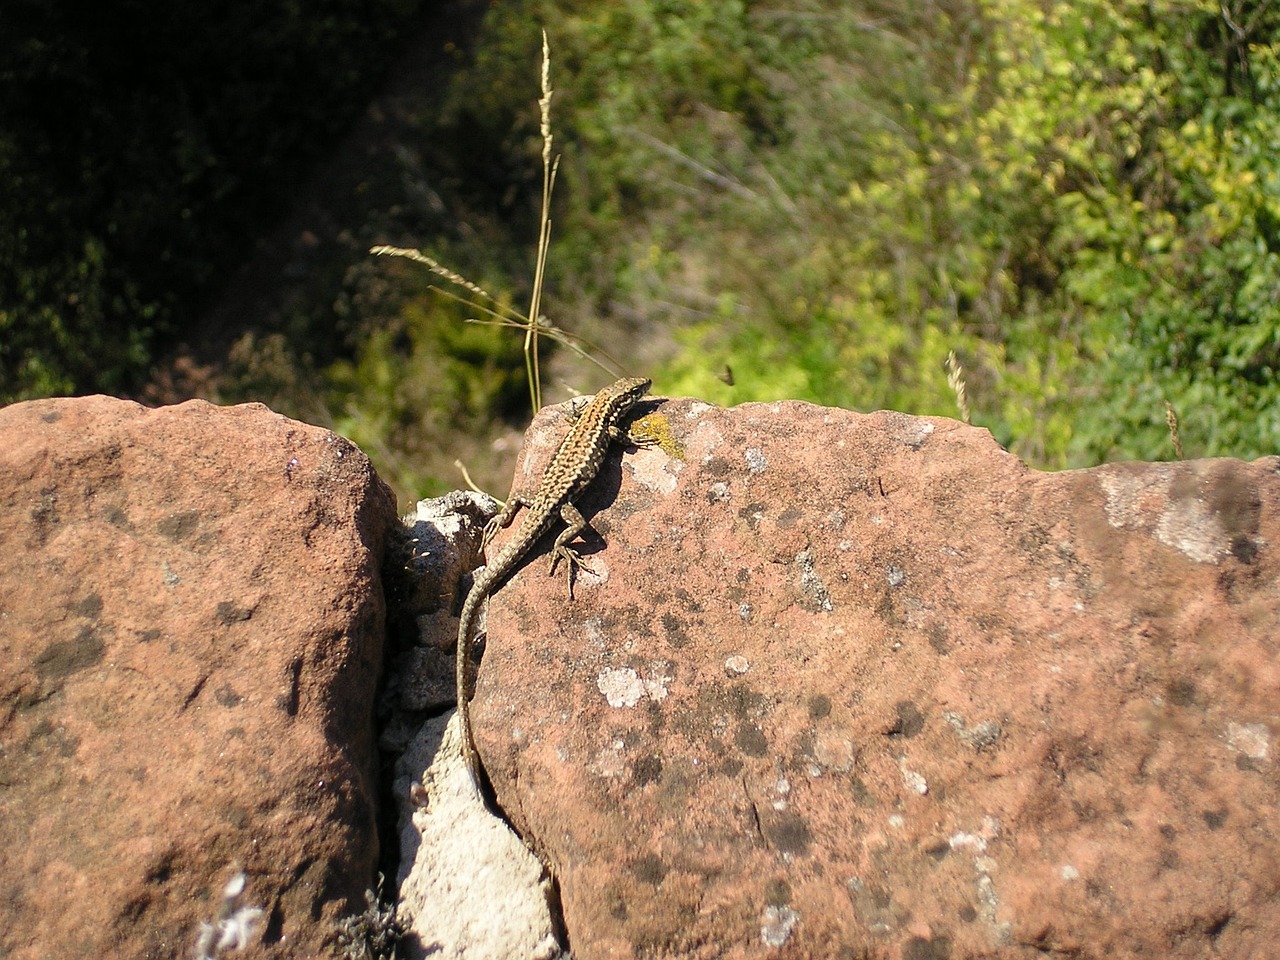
<point x="851" y="685"/>
<point x="468" y="886"/>
<point x="444" y="539"/>
<point x="190" y="629"/>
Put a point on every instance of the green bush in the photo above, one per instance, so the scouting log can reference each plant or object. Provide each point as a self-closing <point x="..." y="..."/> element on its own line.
<point x="1080" y="198"/>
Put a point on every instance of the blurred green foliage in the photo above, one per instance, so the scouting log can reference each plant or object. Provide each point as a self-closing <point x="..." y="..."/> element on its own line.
<point x="143" y="145"/>
<point x="424" y="383"/>
<point x="1081" y="199"/>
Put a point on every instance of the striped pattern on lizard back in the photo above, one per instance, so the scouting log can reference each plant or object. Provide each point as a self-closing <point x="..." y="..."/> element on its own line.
<point x="575" y="464"/>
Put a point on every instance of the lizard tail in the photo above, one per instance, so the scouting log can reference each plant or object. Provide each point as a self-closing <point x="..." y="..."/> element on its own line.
<point x="465" y="625"/>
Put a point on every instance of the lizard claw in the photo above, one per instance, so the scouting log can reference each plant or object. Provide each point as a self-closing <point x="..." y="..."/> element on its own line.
<point x="573" y="562"/>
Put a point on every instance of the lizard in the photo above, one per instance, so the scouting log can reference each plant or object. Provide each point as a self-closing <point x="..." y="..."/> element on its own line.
<point x="573" y="466"/>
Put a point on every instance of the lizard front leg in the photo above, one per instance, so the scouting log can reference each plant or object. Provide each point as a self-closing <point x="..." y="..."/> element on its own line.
<point x="618" y="435"/>
<point x="503" y="520"/>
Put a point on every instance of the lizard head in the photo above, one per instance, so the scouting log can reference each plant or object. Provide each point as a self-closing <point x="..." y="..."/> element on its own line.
<point x="631" y="389"/>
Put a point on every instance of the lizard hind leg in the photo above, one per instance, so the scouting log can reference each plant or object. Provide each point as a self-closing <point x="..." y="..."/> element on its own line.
<point x="575" y="523"/>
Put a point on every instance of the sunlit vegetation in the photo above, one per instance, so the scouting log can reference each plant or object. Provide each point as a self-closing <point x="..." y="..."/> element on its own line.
<point x="814" y="199"/>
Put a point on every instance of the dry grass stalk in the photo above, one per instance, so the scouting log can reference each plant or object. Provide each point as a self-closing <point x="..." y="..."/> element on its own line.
<point x="1171" y="418"/>
<point x="955" y="379"/>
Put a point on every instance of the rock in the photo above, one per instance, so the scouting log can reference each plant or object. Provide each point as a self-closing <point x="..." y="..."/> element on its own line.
<point x="191" y="619"/>
<point x="867" y="686"/>
<point x="468" y="886"/>
<point x="444" y="539"/>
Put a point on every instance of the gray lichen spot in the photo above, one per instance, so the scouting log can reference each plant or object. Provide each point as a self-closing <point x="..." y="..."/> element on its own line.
<point x="815" y="591"/>
<point x="910" y="431"/>
<point x="1253" y="740"/>
<point x="777" y="924"/>
<point x="1207" y="513"/>
<point x="979" y="736"/>
<point x="1191" y="527"/>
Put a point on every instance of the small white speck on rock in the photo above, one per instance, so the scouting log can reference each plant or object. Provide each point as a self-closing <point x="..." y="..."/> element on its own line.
<point x="621" y="687"/>
<point x="915" y="782"/>
<point x="1251" y="739"/>
<point x="777" y="926"/>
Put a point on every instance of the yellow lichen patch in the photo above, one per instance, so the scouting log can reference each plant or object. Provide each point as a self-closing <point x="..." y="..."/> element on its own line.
<point x="655" y="428"/>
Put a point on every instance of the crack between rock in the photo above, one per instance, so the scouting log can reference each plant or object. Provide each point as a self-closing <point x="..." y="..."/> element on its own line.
<point x="194" y="692"/>
<point x="755" y="810"/>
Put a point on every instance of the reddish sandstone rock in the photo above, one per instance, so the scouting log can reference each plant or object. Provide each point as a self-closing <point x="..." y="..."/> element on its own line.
<point x="190" y="630"/>
<point x="867" y="686"/>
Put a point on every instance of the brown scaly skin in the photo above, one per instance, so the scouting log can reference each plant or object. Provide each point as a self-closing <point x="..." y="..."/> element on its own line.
<point x="575" y="464"/>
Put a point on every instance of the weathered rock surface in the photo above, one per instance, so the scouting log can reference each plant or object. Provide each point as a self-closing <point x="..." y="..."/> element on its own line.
<point x="837" y="685"/>
<point x="467" y="884"/>
<point x="851" y="685"/>
<point x="190" y="630"/>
